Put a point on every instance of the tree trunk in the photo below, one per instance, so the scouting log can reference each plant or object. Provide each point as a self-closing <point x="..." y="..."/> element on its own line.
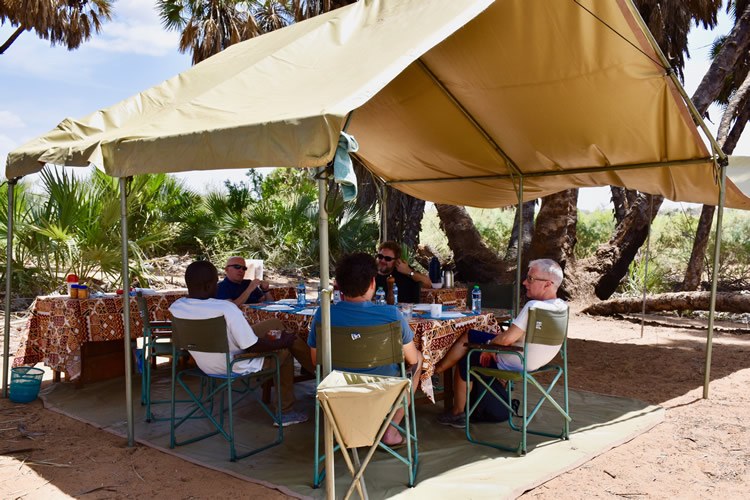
<point x="614" y="257"/>
<point x="404" y="218"/>
<point x="682" y="301"/>
<point x="735" y="46"/>
<point x="555" y="228"/>
<point x="622" y="199"/>
<point x="511" y="253"/>
<point x="474" y="261"/>
<point x="696" y="264"/>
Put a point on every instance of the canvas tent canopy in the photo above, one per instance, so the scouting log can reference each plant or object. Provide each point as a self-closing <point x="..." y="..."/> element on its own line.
<point x="468" y="103"/>
<point x="472" y="93"/>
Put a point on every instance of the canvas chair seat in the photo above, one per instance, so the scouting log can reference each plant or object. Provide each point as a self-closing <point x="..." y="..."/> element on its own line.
<point x="210" y="335"/>
<point x="361" y="348"/>
<point x="544" y="327"/>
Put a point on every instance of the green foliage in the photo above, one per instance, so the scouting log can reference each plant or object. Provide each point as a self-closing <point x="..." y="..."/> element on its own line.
<point x="593" y="229"/>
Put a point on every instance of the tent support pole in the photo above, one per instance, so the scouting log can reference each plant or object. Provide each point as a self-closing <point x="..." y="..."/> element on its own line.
<point x="714" y="278"/>
<point x="325" y="315"/>
<point x="126" y="311"/>
<point x="8" y="273"/>
<point x="384" y="215"/>
<point x="645" y="271"/>
<point x="519" y="257"/>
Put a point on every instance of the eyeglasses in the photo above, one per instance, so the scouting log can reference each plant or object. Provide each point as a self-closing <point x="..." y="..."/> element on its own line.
<point x="380" y="256"/>
<point x="532" y="279"/>
<point x="237" y="266"/>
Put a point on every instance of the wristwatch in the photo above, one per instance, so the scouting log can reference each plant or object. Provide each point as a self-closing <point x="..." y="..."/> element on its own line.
<point x="411" y="274"/>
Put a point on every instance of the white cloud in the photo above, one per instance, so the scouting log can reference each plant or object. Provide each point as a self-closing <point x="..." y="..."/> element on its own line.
<point x="9" y="120"/>
<point x="136" y="29"/>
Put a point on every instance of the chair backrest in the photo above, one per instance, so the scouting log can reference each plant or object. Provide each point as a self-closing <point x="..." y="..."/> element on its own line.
<point x="546" y="327"/>
<point x="263" y="327"/>
<point x="201" y="335"/>
<point x="356" y="347"/>
<point x="495" y="295"/>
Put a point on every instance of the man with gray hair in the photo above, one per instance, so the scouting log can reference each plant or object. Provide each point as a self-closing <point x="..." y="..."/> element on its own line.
<point x="542" y="281"/>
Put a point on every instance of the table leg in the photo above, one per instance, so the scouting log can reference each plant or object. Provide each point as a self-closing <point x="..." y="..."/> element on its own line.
<point x="56" y="377"/>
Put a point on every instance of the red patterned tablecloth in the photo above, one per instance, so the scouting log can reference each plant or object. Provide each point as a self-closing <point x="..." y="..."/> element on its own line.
<point x="59" y="325"/>
<point x="447" y="296"/>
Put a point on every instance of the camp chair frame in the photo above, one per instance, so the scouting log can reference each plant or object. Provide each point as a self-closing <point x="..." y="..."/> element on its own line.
<point x="358" y="347"/>
<point x="153" y="331"/>
<point x="544" y="327"/>
<point x="210" y="335"/>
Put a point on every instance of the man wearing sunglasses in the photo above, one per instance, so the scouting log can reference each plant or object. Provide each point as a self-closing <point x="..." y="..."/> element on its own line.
<point x="408" y="280"/>
<point x="541" y="283"/>
<point x="236" y="288"/>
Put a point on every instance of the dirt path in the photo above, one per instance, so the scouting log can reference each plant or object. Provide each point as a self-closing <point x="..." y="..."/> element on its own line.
<point x="699" y="451"/>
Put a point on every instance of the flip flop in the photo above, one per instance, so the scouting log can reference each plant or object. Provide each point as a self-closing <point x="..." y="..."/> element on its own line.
<point x="393" y="446"/>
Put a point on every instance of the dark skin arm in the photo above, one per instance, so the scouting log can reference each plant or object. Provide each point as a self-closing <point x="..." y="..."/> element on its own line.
<point x="264" y="344"/>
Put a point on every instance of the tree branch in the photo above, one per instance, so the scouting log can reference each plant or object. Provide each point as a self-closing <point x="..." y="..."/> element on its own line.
<point x="11" y="39"/>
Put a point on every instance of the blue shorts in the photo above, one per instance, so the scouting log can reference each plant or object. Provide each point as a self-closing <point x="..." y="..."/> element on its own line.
<point x="475" y="337"/>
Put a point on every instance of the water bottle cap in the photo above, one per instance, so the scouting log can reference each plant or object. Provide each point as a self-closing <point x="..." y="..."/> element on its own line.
<point x="476" y="287"/>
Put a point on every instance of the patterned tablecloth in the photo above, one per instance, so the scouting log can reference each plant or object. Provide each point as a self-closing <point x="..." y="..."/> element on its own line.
<point x="447" y="296"/>
<point x="433" y="337"/>
<point x="59" y="325"/>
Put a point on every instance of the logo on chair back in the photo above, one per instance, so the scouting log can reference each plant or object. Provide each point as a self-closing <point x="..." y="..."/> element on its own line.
<point x="538" y="325"/>
<point x="356" y="336"/>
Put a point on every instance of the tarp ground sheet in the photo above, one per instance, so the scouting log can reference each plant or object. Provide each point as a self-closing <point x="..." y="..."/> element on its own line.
<point x="450" y="467"/>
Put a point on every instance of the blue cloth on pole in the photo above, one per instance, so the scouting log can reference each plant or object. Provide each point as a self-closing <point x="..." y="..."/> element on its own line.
<point x="343" y="170"/>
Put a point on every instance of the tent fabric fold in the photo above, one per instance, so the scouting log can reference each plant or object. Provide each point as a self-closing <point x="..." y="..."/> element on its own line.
<point x="442" y="90"/>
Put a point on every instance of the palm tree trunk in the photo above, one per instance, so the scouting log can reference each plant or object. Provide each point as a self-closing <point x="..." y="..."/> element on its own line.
<point x="555" y="231"/>
<point x="614" y="257"/>
<point x="622" y="199"/>
<point x="404" y="218"/>
<point x="528" y="233"/>
<point x="474" y="261"/>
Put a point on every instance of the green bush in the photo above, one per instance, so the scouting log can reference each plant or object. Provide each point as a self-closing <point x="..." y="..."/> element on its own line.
<point x="593" y="229"/>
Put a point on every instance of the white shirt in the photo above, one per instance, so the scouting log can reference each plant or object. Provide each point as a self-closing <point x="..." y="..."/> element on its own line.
<point x="537" y="355"/>
<point x="239" y="334"/>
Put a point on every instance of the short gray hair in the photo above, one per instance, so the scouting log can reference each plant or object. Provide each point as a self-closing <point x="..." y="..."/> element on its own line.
<point x="550" y="269"/>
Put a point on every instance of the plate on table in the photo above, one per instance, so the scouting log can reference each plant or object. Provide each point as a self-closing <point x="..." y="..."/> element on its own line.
<point x="451" y="315"/>
<point x="422" y="307"/>
<point x="278" y="307"/>
<point x="308" y="311"/>
<point x="287" y="301"/>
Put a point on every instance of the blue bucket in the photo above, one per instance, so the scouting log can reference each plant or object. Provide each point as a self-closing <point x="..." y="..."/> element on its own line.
<point x="25" y="382"/>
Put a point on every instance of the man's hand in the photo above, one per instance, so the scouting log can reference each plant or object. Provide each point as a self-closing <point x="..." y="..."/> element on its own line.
<point x="286" y="340"/>
<point x="486" y="359"/>
<point x="402" y="267"/>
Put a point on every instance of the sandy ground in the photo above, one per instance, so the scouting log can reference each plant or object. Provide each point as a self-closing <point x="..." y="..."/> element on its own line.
<point x="700" y="451"/>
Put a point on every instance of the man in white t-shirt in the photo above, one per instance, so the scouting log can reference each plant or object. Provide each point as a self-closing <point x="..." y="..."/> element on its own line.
<point x="201" y="278"/>
<point x="542" y="281"/>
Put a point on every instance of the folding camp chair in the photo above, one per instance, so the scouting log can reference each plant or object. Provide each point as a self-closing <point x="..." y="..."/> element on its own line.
<point x="210" y="335"/>
<point x="359" y="409"/>
<point x="367" y="347"/>
<point x="157" y="341"/>
<point x="544" y="327"/>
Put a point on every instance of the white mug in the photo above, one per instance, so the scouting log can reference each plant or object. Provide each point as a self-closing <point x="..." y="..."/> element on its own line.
<point x="436" y="310"/>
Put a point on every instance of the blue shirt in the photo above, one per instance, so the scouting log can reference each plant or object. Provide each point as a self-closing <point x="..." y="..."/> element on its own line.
<point x="365" y="314"/>
<point x="229" y="290"/>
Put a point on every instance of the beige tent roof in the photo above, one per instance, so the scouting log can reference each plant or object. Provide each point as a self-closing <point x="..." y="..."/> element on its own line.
<point x="439" y="90"/>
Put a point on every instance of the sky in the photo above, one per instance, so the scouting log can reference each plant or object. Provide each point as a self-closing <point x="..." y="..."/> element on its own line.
<point x="40" y="85"/>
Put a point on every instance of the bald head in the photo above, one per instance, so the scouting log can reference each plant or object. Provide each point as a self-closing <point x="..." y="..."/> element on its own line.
<point x="201" y="277"/>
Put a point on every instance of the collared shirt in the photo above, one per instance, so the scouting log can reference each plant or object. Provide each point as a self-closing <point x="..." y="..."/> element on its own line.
<point x="229" y="290"/>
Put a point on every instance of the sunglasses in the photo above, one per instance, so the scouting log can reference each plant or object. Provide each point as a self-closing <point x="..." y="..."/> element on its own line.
<point x="380" y="256"/>
<point x="237" y="266"/>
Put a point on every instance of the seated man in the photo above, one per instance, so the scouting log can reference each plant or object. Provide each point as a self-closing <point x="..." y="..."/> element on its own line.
<point x="407" y="280"/>
<point x="542" y="281"/>
<point x="201" y="278"/>
<point x="236" y="288"/>
<point x="355" y="276"/>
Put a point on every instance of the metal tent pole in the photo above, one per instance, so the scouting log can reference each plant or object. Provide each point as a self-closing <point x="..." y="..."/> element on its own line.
<point x="519" y="258"/>
<point x="714" y="278"/>
<point x="645" y="271"/>
<point x="384" y="215"/>
<point x="126" y="310"/>
<point x="8" y="272"/>
<point x="325" y="315"/>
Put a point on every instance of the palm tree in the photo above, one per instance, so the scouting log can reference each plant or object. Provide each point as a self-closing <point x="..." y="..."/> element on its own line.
<point x="66" y="22"/>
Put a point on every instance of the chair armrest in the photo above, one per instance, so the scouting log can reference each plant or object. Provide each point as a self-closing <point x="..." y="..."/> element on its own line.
<point x="494" y="347"/>
<point x="161" y="324"/>
<point x="250" y="355"/>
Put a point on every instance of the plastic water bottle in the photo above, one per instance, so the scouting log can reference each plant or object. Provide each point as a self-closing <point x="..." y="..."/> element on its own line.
<point x="301" y="300"/>
<point x="380" y="296"/>
<point x="476" y="300"/>
<point x="395" y="294"/>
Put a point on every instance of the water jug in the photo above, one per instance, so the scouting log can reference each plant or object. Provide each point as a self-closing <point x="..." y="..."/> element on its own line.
<point x="447" y="278"/>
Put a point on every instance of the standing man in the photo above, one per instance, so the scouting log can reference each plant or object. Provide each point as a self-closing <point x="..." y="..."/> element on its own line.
<point x="201" y="277"/>
<point x="407" y="280"/>
<point x="236" y="288"/>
